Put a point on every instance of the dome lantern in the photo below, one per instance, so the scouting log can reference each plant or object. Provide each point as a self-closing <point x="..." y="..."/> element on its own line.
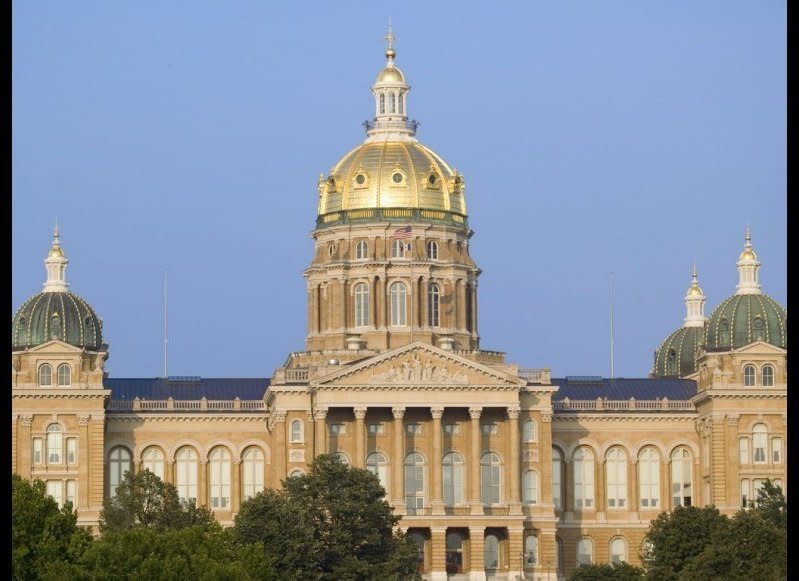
<point x="748" y="265"/>
<point x="391" y="92"/>
<point x="694" y="304"/>
<point x="56" y="264"/>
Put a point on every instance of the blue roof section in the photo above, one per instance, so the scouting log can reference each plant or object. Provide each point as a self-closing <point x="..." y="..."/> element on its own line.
<point x="624" y="388"/>
<point x="192" y="388"/>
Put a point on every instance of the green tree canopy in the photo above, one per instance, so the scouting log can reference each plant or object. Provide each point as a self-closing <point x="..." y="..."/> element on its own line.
<point x="607" y="572"/>
<point x="46" y="541"/>
<point x="332" y="523"/>
<point x="142" y="499"/>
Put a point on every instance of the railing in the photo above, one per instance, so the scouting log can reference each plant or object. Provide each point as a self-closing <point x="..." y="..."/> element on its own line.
<point x="535" y="375"/>
<point x="613" y="405"/>
<point x="182" y="405"/>
<point x="340" y="217"/>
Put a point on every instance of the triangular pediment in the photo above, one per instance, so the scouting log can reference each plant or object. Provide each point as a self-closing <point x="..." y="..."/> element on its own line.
<point x="418" y="365"/>
<point x="55" y="347"/>
<point x="760" y="348"/>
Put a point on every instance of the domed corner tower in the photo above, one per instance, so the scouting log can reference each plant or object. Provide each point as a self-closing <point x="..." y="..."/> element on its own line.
<point x="58" y="397"/>
<point x="391" y="258"/>
<point x="676" y="356"/>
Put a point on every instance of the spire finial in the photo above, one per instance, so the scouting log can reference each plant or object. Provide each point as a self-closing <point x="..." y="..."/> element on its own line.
<point x="693" y="272"/>
<point x="56" y="265"/>
<point x="390" y="45"/>
<point x="748" y="236"/>
<point x="694" y="303"/>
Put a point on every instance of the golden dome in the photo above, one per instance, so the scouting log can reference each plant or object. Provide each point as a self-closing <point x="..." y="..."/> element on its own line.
<point x="392" y="174"/>
<point x="748" y="254"/>
<point x="56" y="251"/>
<point x="390" y="75"/>
<point x="695" y="291"/>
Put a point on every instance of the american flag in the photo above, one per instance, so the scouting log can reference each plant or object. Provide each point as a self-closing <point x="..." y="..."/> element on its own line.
<point x="402" y="233"/>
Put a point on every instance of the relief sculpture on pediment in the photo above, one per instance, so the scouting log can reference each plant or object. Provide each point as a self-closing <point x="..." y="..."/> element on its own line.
<point x="414" y="370"/>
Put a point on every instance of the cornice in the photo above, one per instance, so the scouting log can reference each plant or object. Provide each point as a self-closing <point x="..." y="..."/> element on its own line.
<point x="185" y="417"/>
<point x="59" y="394"/>
<point x="688" y="416"/>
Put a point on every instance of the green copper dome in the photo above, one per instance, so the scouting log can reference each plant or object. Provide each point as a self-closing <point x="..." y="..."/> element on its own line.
<point x="56" y="315"/>
<point x="745" y="318"/>
<point x="676" y="356"/>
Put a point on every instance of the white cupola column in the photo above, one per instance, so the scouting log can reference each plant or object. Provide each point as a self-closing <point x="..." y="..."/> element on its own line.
<point x="56" y="265"/>
<point x="694" y="304"/>
<point x="748" y="265"/>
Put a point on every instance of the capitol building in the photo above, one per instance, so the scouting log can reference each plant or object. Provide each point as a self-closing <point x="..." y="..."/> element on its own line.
<point x="497" y="471"/>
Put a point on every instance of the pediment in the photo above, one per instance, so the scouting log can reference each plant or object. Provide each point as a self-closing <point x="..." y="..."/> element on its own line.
<point x="418" y="365"/>
<point x="760" y="348"/>
<point x="54" y="347"/>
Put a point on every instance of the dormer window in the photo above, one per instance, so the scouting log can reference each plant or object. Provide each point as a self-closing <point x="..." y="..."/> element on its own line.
<point x="724" y="333"/>
<point x="45" y="375"/>
<point x="757" y="327"/>
<point x="55" y="326"/>
<point x="396" y="177"/>
<point x="21" y="331"/>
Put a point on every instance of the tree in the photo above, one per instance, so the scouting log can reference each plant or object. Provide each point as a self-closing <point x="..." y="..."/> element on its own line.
<point x="142" y="499"/>
<point x="606" y="572"/>
<point x="676" y="537"/>
<point x="46" y="541"/>
<point x="771" y="505"/>
<point x="332" y="523"/>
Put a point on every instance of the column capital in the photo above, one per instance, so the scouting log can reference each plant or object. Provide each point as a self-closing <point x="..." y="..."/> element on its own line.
<point x="320" y="413"/>
<point x="437" y="412"/>
<point x="360" y="412"/>
<point x="26" y="419"/>
<point x="83" y="419"/>
<point x="513" y="412"/>
<point x="546" y="418"/>
<point x="475" y="412"/>
<point x="398" y="412"/>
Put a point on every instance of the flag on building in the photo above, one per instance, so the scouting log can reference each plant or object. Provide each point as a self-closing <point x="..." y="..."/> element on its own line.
<point x="402" y="233"/>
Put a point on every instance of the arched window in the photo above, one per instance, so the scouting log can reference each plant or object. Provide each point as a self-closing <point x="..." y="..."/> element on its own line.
<point x="681" y="478"/>
<point x="398" y="248"/>
<point x="382" y="103"/>
<point x="749" y="375"/>
<point x="296" y="473"/>
<point x="361" y="250"/>
<point x="55" y="444"/>
<point x="528" y="431"/>
<point x="557" y="470"/>
<point x="490" y="478"/>
<point x="414" y="482"/>
<point x="153" y="460"/>
<point x="759" y="443"/>
<point x="618" y="551"/>
<point x="252" y="468"/>
<point x="186" y="481"/>
<point x="530" y="487"/>
<point x="583" y="478"/>
<point x="724" y="333"/>
<point x="768" y="376"/>
<point x="530" y="551"/>
<point x="55" y="326"/>
<point x="432" y="250"/>
<point x="361" y="304"/>
<point x="399" y="303"/>
<point x="452" y="478"/>
<point x="45" y="375"/>
<point x="491" y="552"/>
<point x="649" y="478"/>
<point x="671" y="363"/>
<point x="377" y="464"/>
<point x="64" y="375"/>
<point x="757" y="329"/>
<point x="433" y="305"/>
<point x="219" y="478"/>
<point x="119" y="462"/>
<point x="400" y="102"/>
<point x="585" y="551"/>
<point x="616" y="474"/>
<point x="454" y="555"/>
<point x="296" y="431"/>
<point x="393" y="101"/>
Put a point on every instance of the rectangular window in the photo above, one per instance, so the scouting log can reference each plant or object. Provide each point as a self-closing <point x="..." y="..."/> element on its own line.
<point x="452" y="429"/>
<point x="376" y="429"/>
<point x="338" y="429"/>
<point x="72" y="451"/>
<point x="776" y="451"/>
<point x="744" y="493"/>
<point x="414" y="429"/>
<point x="37" y="450"/>
<point x="743" y="450"/>
<point x="490" y="429"/>
<point x="757" y="485"/>
<point x="72" y="492"/>
<point x="54" y="490"/>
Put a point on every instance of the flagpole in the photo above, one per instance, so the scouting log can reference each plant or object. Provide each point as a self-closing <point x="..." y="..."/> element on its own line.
<point x="413" y="287"/>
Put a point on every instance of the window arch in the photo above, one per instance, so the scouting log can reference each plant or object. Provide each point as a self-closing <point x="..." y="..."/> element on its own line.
<point x="432" y="250"/>
<point x="757" y="327"/>
<point x="153" y="460"/>
<point x="649" y="478"/>
<point x="759" y="443"/>
<point x="361" y="250"/>
<point x="768" y="376"/>
<point x="382" y="103"/>
<point x="616" y="475"/>
<point x="55" y="444"/>
<point x="671" y="363"/>
<point x="361" y="304"/>
<point x="219" y="478"/>
<point x="530" y="487"/>
<point x="530" y="551"/>
<point x="252" y="467"/>
<point x="297" y="430"/>
<point x="119" y="462"/>
<point x="724" y="333"/>
<point x="400" y="101"/>
<point x="414" y="482"/>
<point x="585" y="552"/>
<point x="64" y="375"/>
<point x="490" y="478"/>
<point x="186" y="477"/>
<point x="296" y="473"/>
<point x="681" y="473"/>
<point x="452" y="478"/>
<point x="618" y="551"/>
<point x="45" y="375"/>
<point x="491" y="552"/>
<point x="749" y="375"/>
<point x="433" y="305"/>
<point x="399" y="303"/>
<point x="557" y="486"/>
<point x="377" y="464"/>
<point x="529" y="431"/>
<point x="583" y="478"/>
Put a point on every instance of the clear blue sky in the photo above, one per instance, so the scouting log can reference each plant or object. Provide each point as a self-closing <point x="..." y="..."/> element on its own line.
<point x="596" y="137"/>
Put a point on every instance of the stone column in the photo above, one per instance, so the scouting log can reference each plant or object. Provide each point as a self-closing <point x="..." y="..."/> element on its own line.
<point x="423" y="302"/>
<point x="460" y="304"/>
<point x="474" y="308"/>
<point x="438" y="554"/>
<point x="477" y="570"/>
<point x="202" y="483"/>
<point x="96" y="459"/>
<point x="235" y="485"/>
<point x="514" y="458"/>
<point x="279" y="450"/>
<point x="345" y="299"/>
<point x="320" y="431"/>
<point x="398" y="464"/>
<point x="435" y="462"/>
<point x="515" y="552"/>
<point x="600" y="490"/>
<point x="568" y="488"/>
<point x="635" y="502"/>
<point x="24" y="443"/>
<point x="474" y="462"/>
<point x="360" y="437"/>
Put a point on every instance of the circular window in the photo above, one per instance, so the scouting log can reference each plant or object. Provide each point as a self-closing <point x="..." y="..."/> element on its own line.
<point x="360" y="179"/>
<point x="432" y="179"/>
<point x="457" y="180"/>
<point x="397" y="177"/>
